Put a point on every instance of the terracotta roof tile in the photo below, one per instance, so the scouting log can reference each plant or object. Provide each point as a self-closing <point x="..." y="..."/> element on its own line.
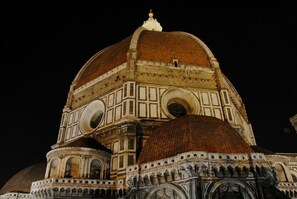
<point x="166" y="46"/>
<point x="192" y="133"/>
<point x="106" y="61"/>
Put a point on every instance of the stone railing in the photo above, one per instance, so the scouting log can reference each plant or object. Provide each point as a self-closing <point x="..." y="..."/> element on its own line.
<point x="67" y="182"/>
<point x="75" y="187"/>
<point x="15" y="195"/>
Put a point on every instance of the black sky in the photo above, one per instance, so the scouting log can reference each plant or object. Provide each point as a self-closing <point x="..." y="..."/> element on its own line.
<point x="44" y="44"/>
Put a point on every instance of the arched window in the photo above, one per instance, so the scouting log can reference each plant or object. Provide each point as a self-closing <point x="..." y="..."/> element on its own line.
<point x="72" y="168"/>
<point x="281" y="173"/>
<point x="53" y="169"/>
<point x="95" y="171"/>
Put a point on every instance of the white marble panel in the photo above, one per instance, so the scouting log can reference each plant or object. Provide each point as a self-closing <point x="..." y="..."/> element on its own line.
<point x="110" y="100"/>
<point x="142" y="93"/>
<point x="207" y="111"/>
<point x="109" y="116"/>
<point x="76" y="116"/>
<point x="119" y="96"/>
<point x="217" y="113"/>
<point x="205" y="99"/>
<point x="142" y="112"/>
<point x="214" y="99"/>
<point x="153" y="94"/>
<point x="153" y="110"/>
<point x="118" y="112"/>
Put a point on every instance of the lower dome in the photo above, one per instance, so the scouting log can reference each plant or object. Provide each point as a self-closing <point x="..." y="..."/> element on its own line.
<point x="21" y="182"/>
<point x="192" y="133"/>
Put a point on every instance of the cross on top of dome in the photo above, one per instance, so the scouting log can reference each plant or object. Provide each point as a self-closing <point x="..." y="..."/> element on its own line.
<point x="152" y="23"/>
<point x="151" y="14"/>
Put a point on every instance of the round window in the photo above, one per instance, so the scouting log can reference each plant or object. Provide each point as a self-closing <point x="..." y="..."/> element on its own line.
<point x="91" y="117"/>
<point x="177" y="109"/>
<point x="179" y="102"/>
<point x="96" y="119"/>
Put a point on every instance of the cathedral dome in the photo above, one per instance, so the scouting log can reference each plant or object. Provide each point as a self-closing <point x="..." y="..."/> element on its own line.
<point x="146" y="45"/>
<point x="21" y="181"/>
<point x="192" y="133"/>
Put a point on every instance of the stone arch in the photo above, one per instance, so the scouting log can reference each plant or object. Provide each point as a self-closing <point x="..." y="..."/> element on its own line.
<point x="281" y="172"/>
<point x="190" y="166"/>
<point x="146" y="180"/>
<point x="91" y="193"/>
<point x="53" y="168"/>
<point x="121" y="193"/>
<point x="49" y="192"/>
<point x="196" y="169"/>
<point x="238" y="171"/>
<point x="291" y="193"/>
<point x="230" y="171"/>
<point x="215" y="171"/>
<point x="108" y="193"/>
<point x="175" y="174"/>
<point x="212" y="189"/>
<point x="79" y="192"/>
<point x="168" y="176"/>
<point x="103" y="192"/>
<point x="153" y="179"/>
<point x="140" y="181"/>
<point x="134" y="181"/>
<point x="287" y="193"/>
<point x="179" y="192"/>
<point x="85" y="192"/>
<point x="222" y="171"/>
<point x="42" y="192"/>
<point x="97" y="193"/>
<point x="68" y="192"/>
<point x="160" y="177"/>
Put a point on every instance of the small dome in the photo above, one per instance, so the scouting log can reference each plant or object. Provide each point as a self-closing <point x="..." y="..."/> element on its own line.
<point x="88" y="142"/>
<point x="192" y="133"/>
<point x="21" y="182"/>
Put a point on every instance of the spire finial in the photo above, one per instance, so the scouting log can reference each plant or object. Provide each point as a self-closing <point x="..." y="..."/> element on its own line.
<point x="151" y="23"/>
<point x="151" y="14"/>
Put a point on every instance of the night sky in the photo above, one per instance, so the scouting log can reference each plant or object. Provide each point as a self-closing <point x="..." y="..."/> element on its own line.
<point x="44" y="45"/>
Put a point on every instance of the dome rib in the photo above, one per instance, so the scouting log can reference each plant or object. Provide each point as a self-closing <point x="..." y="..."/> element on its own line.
<point x="192" y="133"/>
<point x="149" y="46"/>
